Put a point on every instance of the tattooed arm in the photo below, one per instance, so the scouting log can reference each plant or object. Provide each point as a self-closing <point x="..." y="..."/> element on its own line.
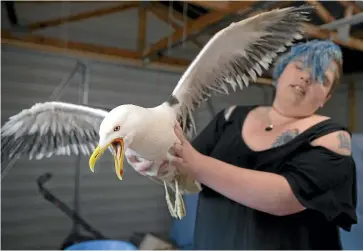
<point x="338" y="142"/>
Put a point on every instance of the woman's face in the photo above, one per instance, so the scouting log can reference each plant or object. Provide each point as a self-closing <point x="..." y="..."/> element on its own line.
<point x="298" y="91"/>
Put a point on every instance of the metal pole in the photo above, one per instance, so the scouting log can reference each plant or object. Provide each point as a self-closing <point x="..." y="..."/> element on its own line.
<point x="82" y="99"/>
<point x="63" y="84"/>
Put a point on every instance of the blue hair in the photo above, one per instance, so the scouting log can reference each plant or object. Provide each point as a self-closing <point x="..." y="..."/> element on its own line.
<point x="316" y="55"/>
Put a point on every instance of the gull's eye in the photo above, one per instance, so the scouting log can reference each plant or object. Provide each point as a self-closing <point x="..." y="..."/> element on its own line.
<point x="117" y="128"/>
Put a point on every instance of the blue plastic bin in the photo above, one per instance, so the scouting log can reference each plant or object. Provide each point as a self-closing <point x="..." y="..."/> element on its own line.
<point x="102" y="245"/>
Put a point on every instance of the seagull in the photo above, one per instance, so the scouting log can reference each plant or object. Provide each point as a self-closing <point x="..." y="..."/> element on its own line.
<point x="232" y="58"/>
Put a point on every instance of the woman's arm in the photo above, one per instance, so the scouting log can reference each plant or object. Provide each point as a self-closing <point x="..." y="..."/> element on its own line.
<point x="264" y="191"/>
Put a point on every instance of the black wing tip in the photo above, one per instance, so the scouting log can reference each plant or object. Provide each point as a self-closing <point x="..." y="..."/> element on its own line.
<point x="305" y="10"/>
<point x="172" y="101"/>
<point x="188" y="126"/>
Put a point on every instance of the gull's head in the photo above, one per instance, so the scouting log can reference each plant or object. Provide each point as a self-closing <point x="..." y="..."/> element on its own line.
<point x="113" y="132"/>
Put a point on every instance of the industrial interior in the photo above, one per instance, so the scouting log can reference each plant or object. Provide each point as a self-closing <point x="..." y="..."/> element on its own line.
<point x="105" y="54"/>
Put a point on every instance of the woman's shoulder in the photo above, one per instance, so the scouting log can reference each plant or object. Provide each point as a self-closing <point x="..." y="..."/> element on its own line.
<point x="331" y="135"/>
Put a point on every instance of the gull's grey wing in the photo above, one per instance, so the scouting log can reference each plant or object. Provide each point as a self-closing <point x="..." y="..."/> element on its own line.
<point x="51" y="128"/>
<point x="234" y="55"/>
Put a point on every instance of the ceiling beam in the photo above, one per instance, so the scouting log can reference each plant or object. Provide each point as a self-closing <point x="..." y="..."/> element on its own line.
<point x="142" y="28"/>
<point x="356" y="9"/>
<point x="81" y="16"/>
<point x="99" y="52"/>
<point x="317" y="32"/>
<point x="163" y="15"/>
<point x="195" y="26"/>
<point x="352" y="20"/>
<point x="89" y="50"/>
<point x="212" y="5"/>
<point x="322" y="12"/>
<point x="344" y="31"/>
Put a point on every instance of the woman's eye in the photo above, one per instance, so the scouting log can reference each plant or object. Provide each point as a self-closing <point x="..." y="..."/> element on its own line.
<point x="299" y="67"/>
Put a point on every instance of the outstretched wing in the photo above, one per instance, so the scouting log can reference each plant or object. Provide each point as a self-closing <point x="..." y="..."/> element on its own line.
<point x="51" y="128"/>
<point x="235" y="55"/>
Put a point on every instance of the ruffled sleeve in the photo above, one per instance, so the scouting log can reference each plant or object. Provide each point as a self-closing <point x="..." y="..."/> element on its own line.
<point x="325" y="181"/>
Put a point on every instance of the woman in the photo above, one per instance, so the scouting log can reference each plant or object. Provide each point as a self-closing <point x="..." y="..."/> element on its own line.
<point x="279" y="177"/>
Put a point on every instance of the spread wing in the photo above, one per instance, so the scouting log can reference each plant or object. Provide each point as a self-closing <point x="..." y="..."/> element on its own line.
<point x="51" y="128"/>
<point x="235" y="55"/>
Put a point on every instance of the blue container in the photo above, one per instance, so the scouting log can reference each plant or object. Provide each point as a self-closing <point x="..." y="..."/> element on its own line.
<point x="102" y="245"/>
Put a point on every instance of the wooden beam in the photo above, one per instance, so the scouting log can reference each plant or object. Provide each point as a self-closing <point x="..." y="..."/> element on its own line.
<point x="141" y="39"/>
<point x="195" y="26"/>
<point x="322" y="12"/>
<point x="356" y="9"/>
<point x="89" y="50"/>
<point x="345" y="31"/>
<point x="212" y="5"/>
<point x="99" y="52"/>
<point x="162" y="14"/>
<point x="317" y="32"/>
<point x="348" y="12"/>
<point x="81" y="16"/>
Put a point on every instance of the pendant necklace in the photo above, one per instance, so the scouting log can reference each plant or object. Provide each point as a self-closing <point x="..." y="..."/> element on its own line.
<point x="270" y="126"/>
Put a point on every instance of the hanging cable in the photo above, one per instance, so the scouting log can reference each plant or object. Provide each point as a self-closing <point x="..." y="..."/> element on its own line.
<point x="185" y="22"/>
<point x="170" y="19"/>
<point x="64" y="33"/>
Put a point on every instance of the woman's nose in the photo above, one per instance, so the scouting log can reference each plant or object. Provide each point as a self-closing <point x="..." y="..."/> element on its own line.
<point x="305" y="77"/>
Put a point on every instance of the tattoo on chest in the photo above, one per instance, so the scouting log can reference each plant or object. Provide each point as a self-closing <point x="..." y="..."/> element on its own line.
<point x="286" y="137"/>
<point x="344" y="141"/>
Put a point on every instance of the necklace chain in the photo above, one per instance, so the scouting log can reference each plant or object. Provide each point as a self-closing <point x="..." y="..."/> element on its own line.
<point x="270" y="126"/>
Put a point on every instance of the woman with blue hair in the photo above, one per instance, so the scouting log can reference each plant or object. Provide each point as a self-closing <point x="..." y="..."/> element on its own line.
<point x="279" y="176"/>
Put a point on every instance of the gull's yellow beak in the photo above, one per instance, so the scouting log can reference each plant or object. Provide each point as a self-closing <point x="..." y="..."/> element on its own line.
<point x="118" y="155"/>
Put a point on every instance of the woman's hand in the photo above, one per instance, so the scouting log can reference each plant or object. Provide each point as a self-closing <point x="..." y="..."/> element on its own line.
<point x="186" y="159"/>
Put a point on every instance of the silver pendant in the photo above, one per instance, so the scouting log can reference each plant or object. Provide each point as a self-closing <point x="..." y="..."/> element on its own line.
<point x="269" y="128"/>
